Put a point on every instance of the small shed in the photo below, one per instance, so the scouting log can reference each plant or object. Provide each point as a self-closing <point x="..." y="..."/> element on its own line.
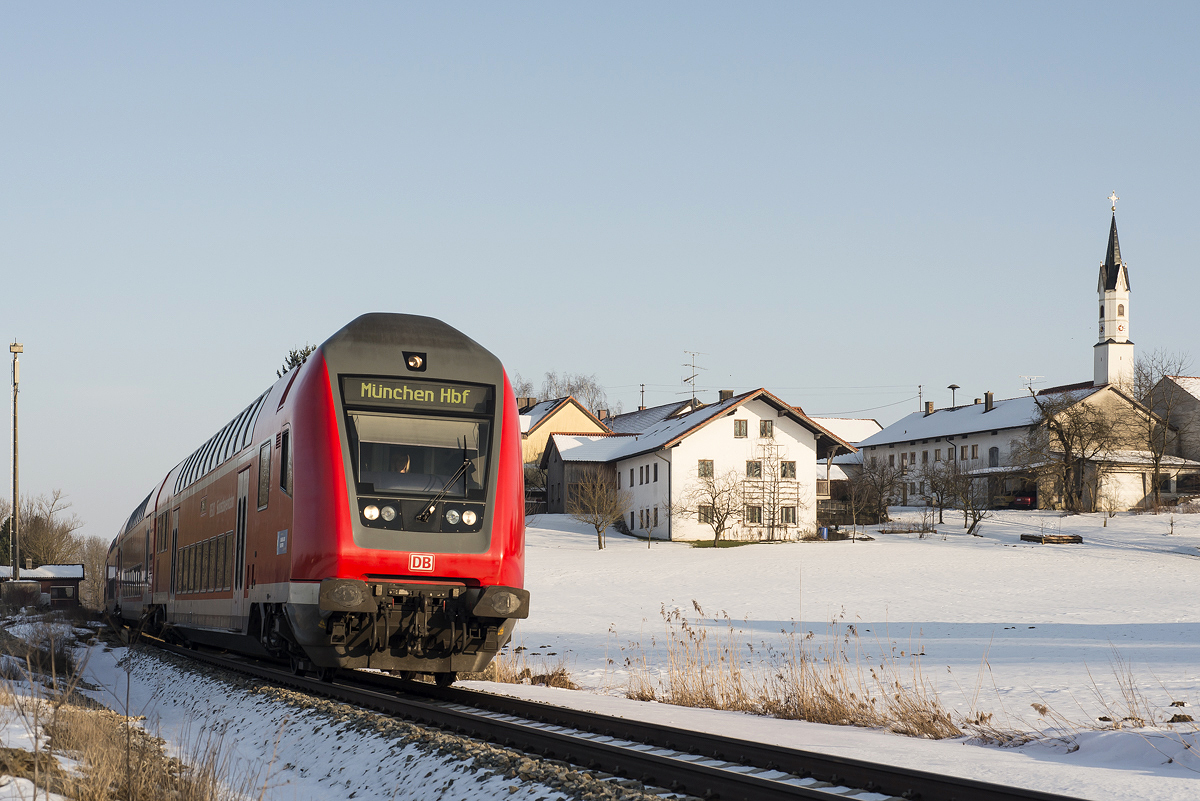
<point x="59" y="582"/>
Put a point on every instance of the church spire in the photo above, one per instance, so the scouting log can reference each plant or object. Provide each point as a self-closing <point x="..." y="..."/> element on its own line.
<point x="1112" y="260"/>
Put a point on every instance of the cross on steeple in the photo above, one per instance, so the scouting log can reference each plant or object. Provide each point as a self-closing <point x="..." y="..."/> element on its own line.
<point x="1113" y="197"/>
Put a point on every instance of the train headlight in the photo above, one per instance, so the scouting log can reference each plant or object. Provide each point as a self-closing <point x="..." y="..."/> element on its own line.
<point x="415" y="362"/>
<point x="387" y="513"/>
<point x="505" y="602"/>
<point x="468" y="518"/>
<point x="371" y="512"/>
<point x="452" y="517"/>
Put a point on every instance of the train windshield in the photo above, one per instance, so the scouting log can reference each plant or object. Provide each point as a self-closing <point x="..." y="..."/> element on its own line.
<point x="401" y="453"/>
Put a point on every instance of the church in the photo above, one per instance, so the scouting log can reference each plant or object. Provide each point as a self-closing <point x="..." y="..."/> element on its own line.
<point x="1023" y="452"/>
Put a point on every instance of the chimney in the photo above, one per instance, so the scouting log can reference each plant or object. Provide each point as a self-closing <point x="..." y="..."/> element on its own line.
<point x="928" y="408"/>
<point x="978" y="401"/>
<point x="525" y="403"/>
<point x="641" y="408"/>
<point x="602" y="414"/>
<point x="988" y="402"/>
<point x="726" y="394"/>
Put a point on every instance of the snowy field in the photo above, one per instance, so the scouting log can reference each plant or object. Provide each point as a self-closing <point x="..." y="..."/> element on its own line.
<point x="1056" y="625"/>
<point x="1000" y="625"/>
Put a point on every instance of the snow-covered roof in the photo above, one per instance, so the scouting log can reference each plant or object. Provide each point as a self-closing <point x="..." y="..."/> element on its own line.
<point x="1189" y="383"/>
<point x="536" y="413"/>
<point x="576" y="448"/>
<point x="639" y="421"/>
<point x="958" y="420"/>
<point x="45" y="572"/>
<point x="850" y="429"/>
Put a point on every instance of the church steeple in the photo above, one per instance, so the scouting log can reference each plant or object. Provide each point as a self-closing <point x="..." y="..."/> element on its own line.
<point x="1113" y="354"/>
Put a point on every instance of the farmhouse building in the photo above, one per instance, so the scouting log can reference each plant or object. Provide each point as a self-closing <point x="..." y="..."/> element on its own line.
<point x="763" y="449"/>
<point x="60" y="583"/>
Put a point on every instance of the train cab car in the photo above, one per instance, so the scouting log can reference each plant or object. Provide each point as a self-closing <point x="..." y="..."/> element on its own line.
<point x="366" y="511"/>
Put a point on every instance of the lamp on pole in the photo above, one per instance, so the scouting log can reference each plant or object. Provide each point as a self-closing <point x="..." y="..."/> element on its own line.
<point x="14" y="531"/>
<point x="952" y="388"/>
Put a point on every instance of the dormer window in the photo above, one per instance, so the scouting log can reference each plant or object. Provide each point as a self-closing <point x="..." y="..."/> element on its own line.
<point x="1120" y="309"/>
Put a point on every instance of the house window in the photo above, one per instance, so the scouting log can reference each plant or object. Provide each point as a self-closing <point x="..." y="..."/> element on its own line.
<point x="912" y="457"/>
<point x="937" y="455"/>
<point x="739" y="428"/>
<point x="903" y="460"/>
<point x="61" y="593"/>
<point x="656" y="471"/>
<point x="618" y="479"/>
<point x="656" y="517"/>
<point x="753" y="515"/>
<point x="823" y="487"/>
<point x="704" y="468"/>
<point x="704" y="515"/>
<point x="891" y="460"/>
<point x="993" y="457"/>
<point x="641" y="518"/>
<point x="950" y="454"/>
<point x="872" y="461"/>
<point x="641" y="474"/>
<point x="754" y="469"/>
<point x="788" y="469"/>
<point x="924" y="457"/>
<point x="787" y="515"/>
<point x="974" y="451"/>
<point x="766" y="428"/>
<point x="631" y="484"/>
<point x="631" y="519"/>
<point x="962" y="452"/>
<point x="1120" y="309"/>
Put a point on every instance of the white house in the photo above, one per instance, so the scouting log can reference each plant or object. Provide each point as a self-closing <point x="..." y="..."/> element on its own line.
<point x="767" y="447"/>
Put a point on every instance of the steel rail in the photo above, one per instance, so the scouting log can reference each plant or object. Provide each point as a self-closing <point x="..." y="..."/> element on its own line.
<point x="677" y="759"/>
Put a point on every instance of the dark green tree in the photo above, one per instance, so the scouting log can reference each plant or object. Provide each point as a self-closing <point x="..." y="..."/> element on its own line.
<point x="294" y="359"/>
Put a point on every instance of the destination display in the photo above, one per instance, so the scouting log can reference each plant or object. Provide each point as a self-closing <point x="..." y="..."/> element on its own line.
<point x="417" y="394"/>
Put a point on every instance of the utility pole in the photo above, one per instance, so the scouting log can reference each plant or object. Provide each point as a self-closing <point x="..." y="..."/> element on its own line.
<point x="14" y="529"/>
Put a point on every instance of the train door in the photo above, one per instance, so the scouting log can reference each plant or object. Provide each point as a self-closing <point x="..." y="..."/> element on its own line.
<point x="240" y="590"/>
<point x="174" y="549"/>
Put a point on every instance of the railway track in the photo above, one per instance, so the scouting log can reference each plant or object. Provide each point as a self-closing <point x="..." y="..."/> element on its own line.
<point x="666" y="760"/>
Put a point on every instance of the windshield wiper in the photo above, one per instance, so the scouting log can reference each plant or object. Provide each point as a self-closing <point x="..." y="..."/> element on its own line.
<point x="424" y="516"/>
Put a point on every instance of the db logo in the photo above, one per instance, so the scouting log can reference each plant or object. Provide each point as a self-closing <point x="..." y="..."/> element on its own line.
<point x="421" y="561"/>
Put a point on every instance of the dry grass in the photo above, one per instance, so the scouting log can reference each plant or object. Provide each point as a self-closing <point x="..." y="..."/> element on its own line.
<point x="708" y="664"/>
<point x="838" y="679"/>
<point x="514" y="666"/>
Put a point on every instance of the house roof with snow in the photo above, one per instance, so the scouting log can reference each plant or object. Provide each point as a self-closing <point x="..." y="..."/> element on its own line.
<point x="642" y="419"/>
<point x="1188" y="383"/>
<point x="44" y="572"/>
<point x="959" y="420"/>
<point x="850" y="429"/>
<point x="539" y="413"/>
<point x="671" y="430"/>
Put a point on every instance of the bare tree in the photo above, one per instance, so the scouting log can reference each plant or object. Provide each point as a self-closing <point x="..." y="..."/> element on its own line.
<point x="967" y="491"/>
<point x="596" y="501"/>
<point x="47" y="534"/>
<point x="876" y="483"/>
<point x="584" y="388"/>
<point x="93" y="552"/>
<point x="522" y="387"/>
<point x="935" y="477"/>
<point x="1155" y="387"/>
<point x="1068" y="434"/>
<point x="715" y="500"/>
<point x="295" y="358"/>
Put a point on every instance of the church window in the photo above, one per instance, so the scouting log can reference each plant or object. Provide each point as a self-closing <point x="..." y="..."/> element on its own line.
<point x="1101" y="311"/>
<point x="1120" y="309"/>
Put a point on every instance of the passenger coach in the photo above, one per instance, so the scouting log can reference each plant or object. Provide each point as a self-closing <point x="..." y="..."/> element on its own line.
<point x="365" y="511"/>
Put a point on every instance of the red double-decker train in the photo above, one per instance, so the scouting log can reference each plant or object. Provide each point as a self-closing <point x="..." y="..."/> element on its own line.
<point x="365" y="511"/>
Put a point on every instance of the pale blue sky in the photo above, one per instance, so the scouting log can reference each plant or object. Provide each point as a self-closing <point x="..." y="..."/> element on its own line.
<point x="836" y="204"/>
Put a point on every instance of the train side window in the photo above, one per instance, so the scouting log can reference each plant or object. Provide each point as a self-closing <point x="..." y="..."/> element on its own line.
<point x="264" y="475"/>
<point x="285" y="462"/>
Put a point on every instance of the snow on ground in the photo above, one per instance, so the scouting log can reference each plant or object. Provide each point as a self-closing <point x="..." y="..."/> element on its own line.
<point x="1049" y="619"/>
<point x="290" y="753"/>
<point x="1056" y="625"/>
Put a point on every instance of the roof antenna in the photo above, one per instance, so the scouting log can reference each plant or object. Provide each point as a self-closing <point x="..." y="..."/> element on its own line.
<point x="1030" y="380"/>
<point x="691" y="379"/>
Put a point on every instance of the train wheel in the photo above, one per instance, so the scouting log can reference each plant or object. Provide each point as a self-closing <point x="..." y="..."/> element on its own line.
<point x="445" y="679"/>
<point x="297" y="666"/>
<point x="404" y="675"/>
<point x="326" y="674"/>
